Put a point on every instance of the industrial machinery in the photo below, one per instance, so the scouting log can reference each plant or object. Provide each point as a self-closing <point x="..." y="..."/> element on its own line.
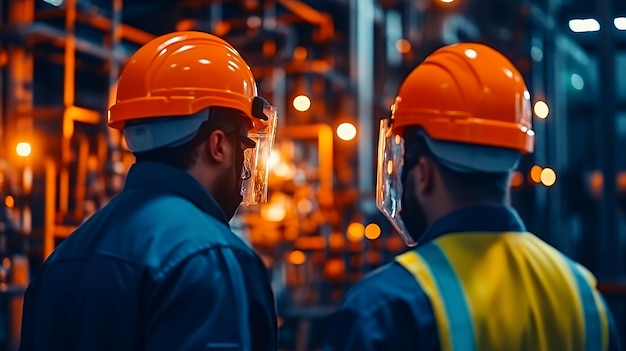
<point x="332" y="68"/>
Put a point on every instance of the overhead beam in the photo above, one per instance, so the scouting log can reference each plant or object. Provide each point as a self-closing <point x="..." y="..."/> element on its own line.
<point x="102" y="23"/>
<point x="322" y="20"/>
<point x="56" y="36"/>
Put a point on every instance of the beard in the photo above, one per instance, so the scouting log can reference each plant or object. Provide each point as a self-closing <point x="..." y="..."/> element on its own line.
<point x="231" y="204"/>
<point x="228" y="194"/>
<point x="412" y="213"/>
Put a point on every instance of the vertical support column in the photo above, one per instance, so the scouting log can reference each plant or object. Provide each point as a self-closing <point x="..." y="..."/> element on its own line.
<point x="556" y="141"/>
<point x="279" y="94"/>
<point x="50" y="187"/>
<point x="362" y="76"/>
<point x="215" y="15"/>
<point x="551" y="142"/>
<point x="114" y="140"/>
<point x="541" y="42"/>
<point x="69" y="85"/>
<point x="116" y="36"/>
<point x="81" y="178"/>
<point x="19" y="121"/>
<point x="19" y="267"/>
<point x="607" y="249"/>
<point x="4" y="57"/>
<point x="412" y="21"/>
<point x="558" y="150"/>
<point x="19" y="102"/>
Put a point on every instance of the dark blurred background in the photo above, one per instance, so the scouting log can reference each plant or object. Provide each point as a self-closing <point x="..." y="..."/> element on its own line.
<point x="332" y="68"/>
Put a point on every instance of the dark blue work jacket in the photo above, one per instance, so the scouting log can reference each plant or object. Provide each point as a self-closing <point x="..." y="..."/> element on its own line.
<point x="158" y="268"/>
<point x="477" y="281"/>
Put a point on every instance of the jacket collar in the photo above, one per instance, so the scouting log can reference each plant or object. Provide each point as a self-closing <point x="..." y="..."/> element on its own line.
<point x="166" y="179"/>
<point x="483" y="218"/>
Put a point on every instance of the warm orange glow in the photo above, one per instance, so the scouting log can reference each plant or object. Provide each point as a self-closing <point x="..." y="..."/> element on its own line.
<point x="596" y="180"/>
<point x="445" y="3"/>
<point x="389" y="167"/>
<point x="374" y="257"/>
<point x="548" y="177"/>
<point x="541" y="109"/>
<point x="297" y="257"/>
<point x="273" y="212"/>
<point x="311" y="242"/>
<point x="334" y="268"/>
<point x="222" y="28"/>
<point x="517" y="179"/>
<point x="300" y="53"/>
<point x="254" y="22"/>
<point x="535" y="174"/>
<point x="621" y="181"/>
<point x="9" y="201"/>
<point x="284" y="170"/>
<point x="23" y="149"/>
<point x="395" y="243"/>
<point x="27" y="179"/>
<point x="372" y="231"/>
<point x="403" y="46"/>
<point x="301" y="103"/>
<point x="355" y="232"/>
<point x="304" y="206"/>
<point x="336" y="241"/>
<point x="269" y="48"/>
<point x="346" y="131"/>
<point x="275" y="158"/>
<point x="596" y="183"/>
<point x="280" y="167"/>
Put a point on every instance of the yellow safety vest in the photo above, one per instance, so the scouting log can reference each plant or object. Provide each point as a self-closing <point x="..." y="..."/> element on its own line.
<point x="508" y="291"/>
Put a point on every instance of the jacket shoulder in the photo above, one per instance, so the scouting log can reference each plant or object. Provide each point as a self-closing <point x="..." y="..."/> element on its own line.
<point x="151" y="230"/>
<point x="386" y="284"/>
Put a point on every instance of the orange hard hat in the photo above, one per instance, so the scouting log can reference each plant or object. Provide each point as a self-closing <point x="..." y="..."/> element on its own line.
<point x="180" y="74"/>
<point x="467" y="93"/>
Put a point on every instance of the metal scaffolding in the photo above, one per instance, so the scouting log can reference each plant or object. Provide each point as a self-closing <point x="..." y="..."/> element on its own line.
<point x="61" y="64"/>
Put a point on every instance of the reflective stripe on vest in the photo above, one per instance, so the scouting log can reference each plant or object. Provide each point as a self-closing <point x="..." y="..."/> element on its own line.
<point x="445" y="293"/>
<point x="593" y="310"/>
<point x="543" y="301"/>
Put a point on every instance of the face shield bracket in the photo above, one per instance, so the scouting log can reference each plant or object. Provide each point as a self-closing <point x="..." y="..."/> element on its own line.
<point x="259" y="106"/>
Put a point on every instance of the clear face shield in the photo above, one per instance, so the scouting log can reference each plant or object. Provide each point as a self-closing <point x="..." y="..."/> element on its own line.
<point x="389" y="181"/>
<point x="256" y="160"/>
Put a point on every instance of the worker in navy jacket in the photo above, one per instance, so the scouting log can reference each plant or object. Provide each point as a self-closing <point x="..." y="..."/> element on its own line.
<point x="475" y="279"/>
<point x="158" y="268"/>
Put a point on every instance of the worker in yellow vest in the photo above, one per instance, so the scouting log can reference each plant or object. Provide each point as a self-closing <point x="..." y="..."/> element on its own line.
<point x="476" y="279"/>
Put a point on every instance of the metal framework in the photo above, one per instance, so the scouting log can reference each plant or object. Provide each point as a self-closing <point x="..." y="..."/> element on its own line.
<point x="348" y="58"/>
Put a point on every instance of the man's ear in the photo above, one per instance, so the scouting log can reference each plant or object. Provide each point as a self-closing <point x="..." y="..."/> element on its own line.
<point x="425" y="175"/>
<point x="215" y="147"/>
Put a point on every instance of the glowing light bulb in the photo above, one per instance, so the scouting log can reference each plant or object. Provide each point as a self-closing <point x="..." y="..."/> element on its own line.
<point x="346" y="131"/>
<point x="301" y="103"/>
<point x="23" y="149"/>
<point x="372" y="231"/>
<point x="548" y="176"/>
<point x="541" y="109"/>
<point x="355" y="232"/>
